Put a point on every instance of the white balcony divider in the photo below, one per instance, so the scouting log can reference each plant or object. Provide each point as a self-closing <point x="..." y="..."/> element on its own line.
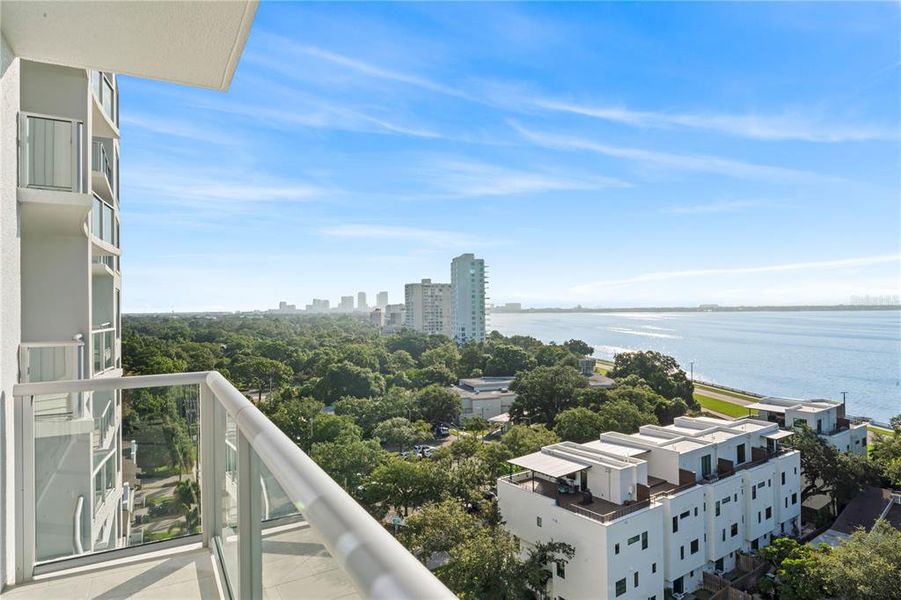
<point x="100" y="161"/>
<point x="50" y="155"/>
<point x="377" y="564"/>
<point x="103" y="348"/>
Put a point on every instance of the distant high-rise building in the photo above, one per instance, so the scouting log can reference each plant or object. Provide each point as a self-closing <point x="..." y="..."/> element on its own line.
<point x="394" y="317"/>
<point x="377" y="317"/>
<point x="346" y="304"/>
<point x="319" y="305"/>
<point x="428" y="307"/>
<point x="381" y="300"/>
<point x="468" y="298"/>
<point x="361" y="301"/>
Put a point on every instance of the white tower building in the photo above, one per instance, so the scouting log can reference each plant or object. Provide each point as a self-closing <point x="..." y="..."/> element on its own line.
<point x="428" y="307"/>
<point x="468" y="298"/>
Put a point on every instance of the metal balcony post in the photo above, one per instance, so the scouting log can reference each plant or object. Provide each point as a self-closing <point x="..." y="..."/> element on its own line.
<point x="25" y="526"/>
<point x="250" y="512"/>
<point x="212" y="468"/>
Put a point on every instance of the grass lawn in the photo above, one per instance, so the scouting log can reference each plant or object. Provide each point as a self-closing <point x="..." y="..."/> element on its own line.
<point x="880" y="430"/>
<point x="721" y="406"/>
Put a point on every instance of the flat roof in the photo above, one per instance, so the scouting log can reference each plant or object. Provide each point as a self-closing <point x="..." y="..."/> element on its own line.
<point x="685" y="445"/>
<point x="774" y="408"/>
<point x="547" y="464"/>
<point x="615" y="449"/>
<point x="719" y="436"/>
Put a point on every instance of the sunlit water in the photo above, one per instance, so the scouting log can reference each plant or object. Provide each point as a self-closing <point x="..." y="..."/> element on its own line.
<point x="794" y="354"/>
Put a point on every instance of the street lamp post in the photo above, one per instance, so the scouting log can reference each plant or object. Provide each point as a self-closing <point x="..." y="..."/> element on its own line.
<point x="692" y="367"/>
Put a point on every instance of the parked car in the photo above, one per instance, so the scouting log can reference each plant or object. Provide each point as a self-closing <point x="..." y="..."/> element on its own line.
<point x="423" y="451"/>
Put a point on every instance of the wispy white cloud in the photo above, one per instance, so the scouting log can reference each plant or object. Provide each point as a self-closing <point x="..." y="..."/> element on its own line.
<point x="431" y="237"/>
<point x="689" y="162"/>
<point x="176" y="128"/>
<point x="845" y="263"/>
<point x="788" y="126"/>
<point x="473" y="179"/>
<point x="726" y="206"/>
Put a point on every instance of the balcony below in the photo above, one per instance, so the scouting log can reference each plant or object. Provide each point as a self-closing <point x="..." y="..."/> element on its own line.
<point x="295" y="565"/>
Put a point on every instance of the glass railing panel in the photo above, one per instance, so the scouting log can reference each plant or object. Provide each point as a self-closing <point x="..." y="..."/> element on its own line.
<point x="160" y="463"/>
<point x="229" y="506"/>
<point x="295" y="562"/>
<point x="107" y="99"/>
<point x="81" y="502"/>
<point x="51" y="154"/>
<point x="50" y="363"/>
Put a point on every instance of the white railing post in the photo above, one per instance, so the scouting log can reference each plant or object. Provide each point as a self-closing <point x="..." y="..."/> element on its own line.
<point x="211" y="438"/>
<point x="250" y="548"/>
<point x="25" y="526"/>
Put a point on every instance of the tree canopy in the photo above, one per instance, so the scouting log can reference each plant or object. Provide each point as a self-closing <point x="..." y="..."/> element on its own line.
<point x="661" y="373"/>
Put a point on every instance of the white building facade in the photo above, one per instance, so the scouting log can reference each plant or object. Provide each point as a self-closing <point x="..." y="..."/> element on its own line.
<point x="468" y="298"/>
<point x="654" y="510"/>
<point x="429" y="307"/>
<point x="825" y="417"/>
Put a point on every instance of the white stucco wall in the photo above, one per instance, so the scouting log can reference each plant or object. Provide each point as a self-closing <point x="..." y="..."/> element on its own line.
<point x="10" y="295"/>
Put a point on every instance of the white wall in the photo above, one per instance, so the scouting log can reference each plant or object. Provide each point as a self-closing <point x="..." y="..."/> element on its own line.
<point x="691" y="527"/>
<point x="10" y="298"/>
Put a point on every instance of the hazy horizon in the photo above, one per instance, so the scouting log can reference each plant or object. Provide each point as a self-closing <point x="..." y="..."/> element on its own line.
<point x="616" y="155"/>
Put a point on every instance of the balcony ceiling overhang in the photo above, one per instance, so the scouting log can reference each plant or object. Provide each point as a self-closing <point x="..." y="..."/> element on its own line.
<point x="189" y="42"/>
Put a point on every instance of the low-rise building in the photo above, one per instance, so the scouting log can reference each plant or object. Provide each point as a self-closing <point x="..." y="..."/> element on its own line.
<point x="826" y="417"/>
<point x="394" y="318"/>
<point x="484" y="397"/>
<point x="654" y="510"/>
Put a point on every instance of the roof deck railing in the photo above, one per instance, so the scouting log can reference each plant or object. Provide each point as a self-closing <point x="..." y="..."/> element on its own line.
<point x="373" y="560"/>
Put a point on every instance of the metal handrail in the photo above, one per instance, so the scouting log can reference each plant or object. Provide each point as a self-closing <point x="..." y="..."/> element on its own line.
<point x="377" y="564"/>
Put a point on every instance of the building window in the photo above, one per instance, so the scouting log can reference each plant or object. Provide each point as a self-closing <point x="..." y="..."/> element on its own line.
<point x="685" y="515"/>
<point x="736" y="496"/>
<point x="786" y="502"/>
<point x="727" y="500"/>
<point x="538" y="521"/>
<point x="717" y="508"/>
<point x="694" y="546"/>
<point x="705" y="466"/>
<point x="653" y="567"/>
<point x="753" y="493"/>
<point x="783" y="477"/>
<point x="794" y="498"/>
<point x="633" y="540"/>
<point x="675" y="524"/>
<point x="616" y="549"/>
<point x="561" y="570"/>
<point x="635" y="579"/>
<point x="681" y="552"/>
<point x="724" y="534"/>
<point x="696" y="511"/>
<point x="734" y="531"/>
<point x="621" y="587"/>
<point x="718" y="565"/>
<point x="644" y="540"/>
<point x="769" y="512"/>
<point x="759" y="519"/>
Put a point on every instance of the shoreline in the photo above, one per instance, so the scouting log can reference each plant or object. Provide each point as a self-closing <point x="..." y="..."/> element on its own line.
<point x="702" y="309"/>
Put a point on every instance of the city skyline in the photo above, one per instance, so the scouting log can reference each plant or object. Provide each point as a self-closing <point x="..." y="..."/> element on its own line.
<point x="596" y="154"/>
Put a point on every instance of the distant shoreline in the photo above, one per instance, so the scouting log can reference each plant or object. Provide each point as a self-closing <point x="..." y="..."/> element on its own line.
<point x="703" y="308"/>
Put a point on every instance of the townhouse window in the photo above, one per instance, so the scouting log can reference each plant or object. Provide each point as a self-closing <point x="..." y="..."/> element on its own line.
<point x="538" y="521"/>
<point x="675" y="524"/>
<point x="727" y="500"/>
<point x="735" y="496"/>
<point x="681" y="552"/>
<point x="769" y="483"/>
<point x="694" y="546"/>
<point x="783" y="477"/>
<point x="759" y="519"/>
<point x="653" y="567"/>
<point x="633" y="540"/>
<point x="717" y="508"/>
<point x="753" y="493"/>
<point x="786" y="502"/>
<point x="685" y="515"/>
<point x="718" y="565"/>
<point x="796" y="470"/>
<point x="734" y="531"/>
<point x="635" y="579"/>
<point x="696" y="511"/>
<point x="706" y="468"/>
<point x="794" y="498"/>
<point x="769" y="512"/>
<point x="724" y="534"/>
<point x="621" y="587"/>
<point x="616" y="549"/>
<point x="561" y="570"/>
<point x="644" y="540"/>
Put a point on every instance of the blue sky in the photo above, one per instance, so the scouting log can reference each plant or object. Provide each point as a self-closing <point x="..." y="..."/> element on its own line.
<point x="603" y="154"/>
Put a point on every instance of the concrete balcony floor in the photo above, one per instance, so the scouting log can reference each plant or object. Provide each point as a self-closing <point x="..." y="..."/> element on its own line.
<point x="295" y="565"/>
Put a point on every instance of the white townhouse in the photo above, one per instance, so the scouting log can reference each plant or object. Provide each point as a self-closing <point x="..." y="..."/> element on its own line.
<point x="654" y="510"/>
<point x="826" y="417"/>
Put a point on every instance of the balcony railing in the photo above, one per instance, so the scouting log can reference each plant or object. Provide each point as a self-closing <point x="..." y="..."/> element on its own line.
<point x="100" y="162"/>
<point x="103" y="222"/>
<point x="50" y="155"/>
<point x="103" y="342"/>
<point x="102" y="86"/>
<point x="267" y="475"/>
